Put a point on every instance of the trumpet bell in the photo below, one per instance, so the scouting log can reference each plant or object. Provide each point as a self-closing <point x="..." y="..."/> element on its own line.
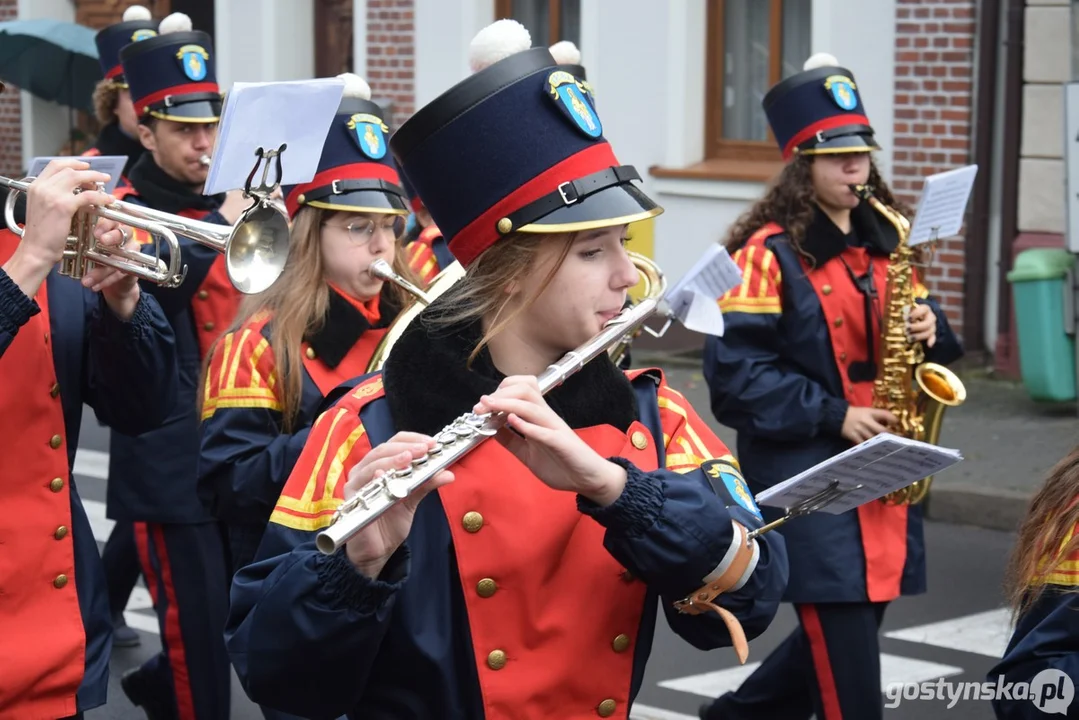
<point x="257" y="249"/>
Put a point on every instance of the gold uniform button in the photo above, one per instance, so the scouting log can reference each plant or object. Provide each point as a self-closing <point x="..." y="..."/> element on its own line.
<point x="203" y="294"/>
<point x="54" y="391"/>
<point x="61" y="533"/>
<point x="54" y="441"/>
<point x="827" y="289"/>
<point x="606" y="708"/>
<point x="310" y="354"/>
<point x="627" y="576"/>
<point x="838" y="322"/>
<point x="620" y="643"/>
<point x="486" y="587"/>
<point x="843" y="357"/>
<point x="472" y="521"/>
<point x="208" y="326"/>
<point x="639" y="440"/>
<point x="57" y="484"/>
<point x="496" y="660"/>
<point x="60" y="581"/>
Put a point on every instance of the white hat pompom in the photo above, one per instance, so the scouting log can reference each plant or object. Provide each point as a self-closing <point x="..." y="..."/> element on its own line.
<point x="355" y="86"/>
<point x="497" y="41"/>
<point x="819" y="60"/>
<point x="176" y="22"/>
<point x="137" y="12"/>
<point x="566" y="53"/>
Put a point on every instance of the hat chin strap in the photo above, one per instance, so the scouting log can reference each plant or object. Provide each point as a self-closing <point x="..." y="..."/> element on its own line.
<point x="568" y="193"/>
<point x="823" y="136"/>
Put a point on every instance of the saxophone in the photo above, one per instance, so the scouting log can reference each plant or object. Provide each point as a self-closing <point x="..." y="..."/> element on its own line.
<point x="915" y="391"/>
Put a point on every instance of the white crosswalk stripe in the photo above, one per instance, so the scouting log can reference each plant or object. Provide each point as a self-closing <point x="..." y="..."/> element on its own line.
<point x="985" y="633"/>
<point x="92" y="463"/>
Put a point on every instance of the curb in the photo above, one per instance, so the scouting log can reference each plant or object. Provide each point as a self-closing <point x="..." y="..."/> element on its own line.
<point x="988" y="508"/>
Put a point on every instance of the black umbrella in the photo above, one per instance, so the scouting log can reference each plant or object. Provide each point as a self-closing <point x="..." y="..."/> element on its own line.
<point x="51" y="59"/>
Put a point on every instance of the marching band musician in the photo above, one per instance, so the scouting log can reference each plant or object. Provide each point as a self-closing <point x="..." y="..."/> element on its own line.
<point x="793" y="374"/>
<point x="119" y="134"/>
<point x="153" y="476"/>
<point x="105" y="344"/>
<point x="314" y="329"/>
<point x="527" y="585"/>
<point x="1043" y="590"/>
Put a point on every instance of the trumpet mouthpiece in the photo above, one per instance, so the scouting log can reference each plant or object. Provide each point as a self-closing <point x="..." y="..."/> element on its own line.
<point x="381" y="269"/>
<point x="205" y="160"/>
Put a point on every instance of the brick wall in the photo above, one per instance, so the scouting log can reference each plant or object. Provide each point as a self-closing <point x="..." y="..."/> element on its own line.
<point x="10" y="114"/>
<point x="934" y="99"/>
<point x="391" y="37"/>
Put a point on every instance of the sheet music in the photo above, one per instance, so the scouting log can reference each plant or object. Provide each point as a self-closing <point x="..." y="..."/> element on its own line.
<point x="943" y="205"/>
<point x="693" y="299"/>
<point x="297" y="112"/>
<point x="113" y="165"/>
<point x="880" y="465"/>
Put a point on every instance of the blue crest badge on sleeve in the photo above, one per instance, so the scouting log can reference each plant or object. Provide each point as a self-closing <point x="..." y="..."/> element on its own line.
<point x="143" y="34"/>
<point x="193" y="61"/>
<point x="369" y="134"/>
<point x="841" y="89"/>
<point x="575" y="102"/>
<point x="732" y="486"/>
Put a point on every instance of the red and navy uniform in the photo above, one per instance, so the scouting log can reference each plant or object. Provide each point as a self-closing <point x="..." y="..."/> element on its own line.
<point x="58" y="351"/>
<point x="153" y="476"/>
<point x="246" y="455"/>
<point x="429" y="254"/>
<point x="1046" y="637"/>
<point x="482" y="613"/>
<point x="783" y="376"/>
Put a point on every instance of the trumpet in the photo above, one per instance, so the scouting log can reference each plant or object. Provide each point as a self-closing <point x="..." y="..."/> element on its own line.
<point x="255" y="248"/>
<point x="382" y="270"/>
<point x="470" y="430"/>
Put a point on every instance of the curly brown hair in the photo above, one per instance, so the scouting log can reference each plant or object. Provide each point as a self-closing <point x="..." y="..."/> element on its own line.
<point x="106" y="94"/>
<point x="790" y="201"/>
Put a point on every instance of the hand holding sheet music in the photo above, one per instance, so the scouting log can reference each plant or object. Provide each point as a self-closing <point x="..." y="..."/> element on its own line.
<point x="693" y="299"/>
<point x="864" y="473"/>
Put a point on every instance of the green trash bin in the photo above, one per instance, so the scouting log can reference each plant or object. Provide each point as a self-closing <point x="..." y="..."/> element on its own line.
<point x="1046" y="350"/>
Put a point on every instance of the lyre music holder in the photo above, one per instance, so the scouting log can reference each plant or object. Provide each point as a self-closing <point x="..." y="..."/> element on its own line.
<point x="813" y="503"/>
<point x="264" y="159"/>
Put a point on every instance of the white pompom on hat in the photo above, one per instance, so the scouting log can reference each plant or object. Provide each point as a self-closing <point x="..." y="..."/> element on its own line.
<point x="497" y="41"/>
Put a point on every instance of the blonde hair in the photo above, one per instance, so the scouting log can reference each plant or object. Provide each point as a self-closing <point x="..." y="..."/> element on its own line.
<point x="106" y="94"/>
<point x="481" y="292"/>
<point x="298" y="303"/>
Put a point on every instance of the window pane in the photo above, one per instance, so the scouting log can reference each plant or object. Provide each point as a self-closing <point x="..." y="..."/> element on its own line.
<point x="797" y="17"/>
<point x="570" y="20"/>
<point x="745" y="68"/>
<point x="533" y="15"/>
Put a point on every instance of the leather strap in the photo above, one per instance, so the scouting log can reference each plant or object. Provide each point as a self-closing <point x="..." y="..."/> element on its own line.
<point x="340" y="187"/>
<point x="569" y="193"/>
<point x="702" y="600"/>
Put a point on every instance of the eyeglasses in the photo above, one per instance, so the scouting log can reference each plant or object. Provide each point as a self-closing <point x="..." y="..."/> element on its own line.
<point x="360" y="232"/>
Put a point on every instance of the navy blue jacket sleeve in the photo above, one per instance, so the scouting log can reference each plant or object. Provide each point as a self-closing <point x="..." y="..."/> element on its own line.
<point x="947" y="348"/>
<point x="1046" y="640"/>
<point x="15" y="310"/>
<point x="753" y="387"/>
<point x="131" y="378"/>
<point x="671" y="530"/>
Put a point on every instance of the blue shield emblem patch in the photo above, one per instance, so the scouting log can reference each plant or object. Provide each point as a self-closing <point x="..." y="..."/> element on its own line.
<point x="369" y="134"/>
<point x="731" y="481"/>
<point x="575" y="102"/>
<point x="193" y="62"/>
<point x="842" y="90"/>
<point x="143" y="34"/>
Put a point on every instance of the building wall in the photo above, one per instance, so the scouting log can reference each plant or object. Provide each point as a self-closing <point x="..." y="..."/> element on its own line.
<point x="390" y="54"/>
<point x="934" y="91"/>
<point x="10" y="112"/>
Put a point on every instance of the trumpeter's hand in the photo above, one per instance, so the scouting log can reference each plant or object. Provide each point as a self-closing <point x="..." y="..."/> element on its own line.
<point x="121" y="290"/>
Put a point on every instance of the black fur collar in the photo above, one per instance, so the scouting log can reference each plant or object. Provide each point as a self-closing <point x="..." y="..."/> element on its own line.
<point x="825" y="241"/>
<point x="163" y="192"/>
<point x="427" y="385"/>
<point x="344" y="325"/>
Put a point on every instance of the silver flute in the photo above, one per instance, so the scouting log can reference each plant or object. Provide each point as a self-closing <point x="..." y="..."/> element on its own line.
<point x="469" y="430"/>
